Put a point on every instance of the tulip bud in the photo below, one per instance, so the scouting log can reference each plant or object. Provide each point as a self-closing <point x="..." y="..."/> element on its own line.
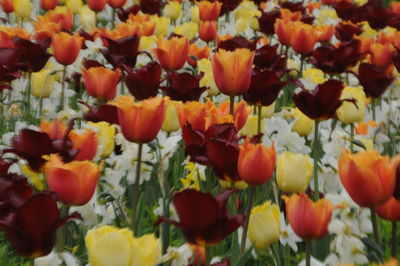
<point x="171" y="122"/>
<point x="42" y="83"/>
<point x="350" y="112"/>
<point x="23" y="9"/>
<point x="87" y="18"/>
<point x="294" y="172"/>
<point x="74" y="5"/>
<point x="7" y="5"/>
<point x="264" y="225"/>
<point x="208" y="31"/>
<point x="66" y="47"/>
<point x="173" y="10"/>
<point x="303" y="124"/>
<point x="97" y="5"/>
<point x="209" y="11"/>
<point x="48" y="4"/>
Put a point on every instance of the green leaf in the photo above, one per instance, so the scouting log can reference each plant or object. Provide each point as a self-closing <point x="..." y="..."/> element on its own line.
<point x="243" y="258"/>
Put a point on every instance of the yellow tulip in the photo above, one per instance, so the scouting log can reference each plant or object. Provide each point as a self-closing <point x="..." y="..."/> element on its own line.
<point x="42" y="83"/>
<point x="241" y="25"/>
<point x="349" y="112"/>
<point x="171" y="121"/>
<point x="189" y="30"/>
<point x="264" y="225"/>
<point x="204" y="66"/>
<point x="162" y="25"/>
<point x="22" y="9"/>
<point x="106" y="133"/>
<point x="74" y="5"/>
<point x="173" y="10"/>
<point x="294" y="171"/>
<point x="250" y="128"/>
<point x="303" y="125"/>
<point x="268" y="111"/>
<point x="195" y="14"/>
<point x="146" y="251"/>
<point x="87" y="18"/>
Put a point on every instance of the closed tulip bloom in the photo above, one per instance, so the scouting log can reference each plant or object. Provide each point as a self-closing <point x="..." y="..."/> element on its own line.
<point x="74" y="182"/>
<point x="22" y="9"/>
<point x="173" y="53"/>
<point x="389" y="210"/>
<point x="208" y="30"/>
<point x="106" y="133"/>
<point x="66" y="47"/>
<point x="173" y="10"/>
<point x="74" y="5"/>
<point x="48" y="4"/>
<point x="97" y="5"/>
<point x="294" y="172"/>
<point x="368" y="177"/>
<point x="264" y="225"/>
<point x="87" y="18"/>
<point x="209" y="11"/>
<point x="7" y="5"/>
<point x="381" y="54"/>
<point x="284" y="30"/>
<point x="303" y="125"/>
<point x="303" y="38"/>
<point x="86" y="143"/>
<point x="308" y="219"/>
<point x="140" y="122"/>
<point x="101" y="82"/>
<point x="42" y="83"/>
<point x="146" y="250"/>
<point x="350" y="112"/>
<point x="256" y="163"/>
<point x="116" y="3"/>
<point x="171" y="122"/>
<point x="232" y="70"/>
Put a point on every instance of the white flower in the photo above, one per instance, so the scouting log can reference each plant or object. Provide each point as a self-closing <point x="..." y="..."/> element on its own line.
<point x="178" y="256"/>
<point x="288" y="236"/>
<point x="313" y="262"/>
<point x="51" y="259"/>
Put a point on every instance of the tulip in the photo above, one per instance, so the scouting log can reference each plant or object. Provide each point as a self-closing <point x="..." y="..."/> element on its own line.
<point x="55" y="129"/>
<point x="381" y="54"/>
<point x="374" y="79"/>
<point x="122" y="52"/>
<point x="106" y="133"/>
<point x="184" y="87"/>
<point x="74" y="182"/>
<point x="7" y="5"/>
<point x="101" y="82"/>
<point x="189" y="30"/>
<point x="32" y="56"/>
<point x="294" y="172"/>
<point x="85" y="143"/>
<point x="264" y="225"/>
<point x="87" y="18"/>
<point x="232" y="43"/>
<point x="208" y="31"/>
<point x="303" y="38"/>
<point x="345" y="31"/>
<point x="66" y="47"/>
<point x="140" y="122"/>
<point x="48" y="4"/>
<point x="173" y="53"/>
<point x="203" y="219"/>
<point x="173" y="10"/>
<point x="74" y="5"/>
<point x="389" y="210"/>
<point x="256" y="163"/>
<point x="171" y="122"/>
<point x="267" y="58"/>
<point x="352" y="112"/>
<point x="97" y="5"/>
<point x="232" y="70"/>
<point x="251" y="127"/>
<point x="144" y="82"/>
<point x="62" y="16"/>
<point x="107" y="113"/>
<point x="116" y="3"/>
<point x="146" y="250"/>
<point x="308" y="219"/>
<point x="23" y="9"/>
<point x="209" y="11"/>
<point x="302" y="125"/>
<point x="197" y="52"/>
<point x="42" y="83"/>
<point x="368" y="177"/>
<point x="267" y="21"/>
<point x="325" y="32"/>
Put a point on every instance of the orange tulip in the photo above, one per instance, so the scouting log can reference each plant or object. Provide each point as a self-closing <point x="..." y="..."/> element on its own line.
<point x="395" y="6"/>
<point x="209" y="11"/>
<point x="208" y="30"/>
<point x="240" y="113"/>
<point x="173" y="53"/>
<point x="101" y="82"/>
<point x="368" y="177"/>
<point x="48" y="4"/>
<point x="389" y="210"/>
<point x="308" y="219"/>
<point x="286" y="15"/>
<point x="7" y="5"/>
<point x="66" y="47"/>
<point x="63" y="16"/>
<point x="256" y="163"/>
<point x="6" y="40"/>
<point x="325" y="32"/>
<point x="232" y="70"/>
<point x="116" y="3"/>
<point x="284" y="30"/>
<point x="140" y="122"/>
<point x="381" y="54"/>
<point x="74" y="182"/>
<point x="362" y="127"/>
<point x="193" y="113"/>
<point x="303" y="38"/>
<point x="198" y="52"/>
<point x="97" y="5"/>
<point x="55" y="129"/>
<point x="86" y="143"/>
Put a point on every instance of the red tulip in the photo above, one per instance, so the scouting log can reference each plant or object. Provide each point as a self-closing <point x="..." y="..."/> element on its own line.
<point x="389" y="210"/>
<point x="85" y="143"/>
<point x="208" y="30"/>
<point x="7" y="5"/>
<point x="97" y="5"/>
<point x="144" y="82"/>
<point x="116" y="3"/>
<point x="48" y="4"/>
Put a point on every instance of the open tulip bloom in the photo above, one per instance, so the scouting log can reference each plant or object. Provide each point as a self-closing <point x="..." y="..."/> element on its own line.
<point x="206" y="132"/>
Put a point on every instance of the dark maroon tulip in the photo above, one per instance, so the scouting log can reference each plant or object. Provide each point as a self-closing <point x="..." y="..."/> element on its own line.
<point x="336" y="60"/>
<point x="396" y="193"/>
<point x="322" y="102"/>
<point x="228" y="5"/>
<point x="144" y="82"/>
<point x="184" y="87"/>
<point x="122" y="52"/>
<point x="14" y="189"/>
<point x="348" y="11"/>
<point x="267" y="58"/>
<point x="31" y="227"/>
<point x="307" y="19"/>
<point x="107" y="113"/>
<point x="293" y="6"/>
<point x="32" y="57"/>
<point x="396" y="59"/>
<point x="374" y="79"/>
<point x="223" y="150"/>
<point x="195" y="144"/>
<point x="123" y="14"/>
<point x="151" y="7"/>
<point x="8" y="67"/>
<point x="347" y="31"/>
<point x="87" y="64"/>
<point x="203" y="219"/>
<point x="267" y="21"/>
<point x="264" y="88"/>
<point x="236" y="43"/>
<point x="377" y="15"/>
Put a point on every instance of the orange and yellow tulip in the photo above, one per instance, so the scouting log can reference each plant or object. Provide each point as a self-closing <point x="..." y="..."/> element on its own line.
<point x="101" y="82"/>
<point x="74" y="182"/>
<point x="232" y="70"/>
<point x="308" y="219"/>
<point x="66" y="47"/>
<point x="368" y="177"/>
<point x="198" y="52"/>
<point x="256" y="163"/>
<point x="173" y="53"/>
<point x="86" y="143"/>
<point x="209" y="11"/>
<point x="283" y="30"/>
<point x="381" y="54"/>
<point x="208" y="30"/>
<point x="140" y="122"/>
<point x="303" y="38"/>
<point x="56" y="129"/>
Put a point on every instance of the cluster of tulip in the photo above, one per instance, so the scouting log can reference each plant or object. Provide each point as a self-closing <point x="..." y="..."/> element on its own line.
<point x="207" y="132"/>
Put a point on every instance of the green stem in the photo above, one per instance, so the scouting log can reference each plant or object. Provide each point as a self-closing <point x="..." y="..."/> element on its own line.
<point x="208" y="255"/>
<point x="373" y="103"/>
<point x="259" y="119"/>
<point x="351" y="137"/>
<point x="62" y="231"/>
<point x="136" y="186"/>
<point x="232" y="105"/>
<point x="62" y="100"/>
<point x="301" y="66"/>
<point x="308" y="252"/>
<point x="315" y="157"/>
<point x="394" y="239"/>
<point x="375" y="226"/>
<point x="2" y="119"/>
<point x="40" y="107"/>
<point x="252" y="191"/>
<point x="28" y="96"/>
<point x="113" y="17"/>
